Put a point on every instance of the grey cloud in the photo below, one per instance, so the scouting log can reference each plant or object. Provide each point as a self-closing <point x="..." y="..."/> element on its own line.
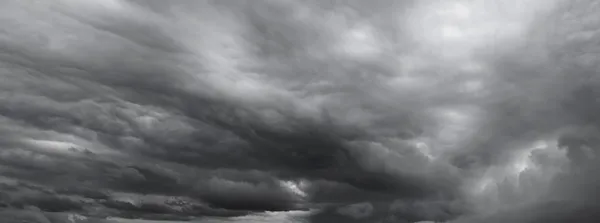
<point x="357" y="211"/>
<point x="250" y="194"/>
<point x="143" y="70"/>
<point x="85" y="192"/>
<point x="49" y="203"/>
<point x="32" y="216"/>
<point x="567" y="110"/>
<point x="392" y="211"/>
<point x="221" y="102"/>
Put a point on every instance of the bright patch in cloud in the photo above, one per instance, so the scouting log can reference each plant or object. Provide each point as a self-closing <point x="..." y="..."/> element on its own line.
<point x="361" y="42"/>
<point x="294" y="188"/>
<point x="451" y="32"/>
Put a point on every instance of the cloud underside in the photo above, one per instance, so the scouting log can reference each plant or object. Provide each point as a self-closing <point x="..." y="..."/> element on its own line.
<point x="203" y="108"/>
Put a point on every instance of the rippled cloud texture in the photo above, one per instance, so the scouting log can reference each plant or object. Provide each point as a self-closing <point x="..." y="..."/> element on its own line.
<point x="360" y="111"/>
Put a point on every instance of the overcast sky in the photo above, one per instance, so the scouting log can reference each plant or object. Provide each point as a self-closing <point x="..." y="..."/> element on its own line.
<point x="463" y="111"/>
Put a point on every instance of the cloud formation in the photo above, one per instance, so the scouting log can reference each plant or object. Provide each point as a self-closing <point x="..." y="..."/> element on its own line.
<point x="398" y="111"/>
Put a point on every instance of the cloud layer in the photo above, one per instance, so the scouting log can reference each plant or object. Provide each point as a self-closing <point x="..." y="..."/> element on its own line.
<point x="388" y="110"/>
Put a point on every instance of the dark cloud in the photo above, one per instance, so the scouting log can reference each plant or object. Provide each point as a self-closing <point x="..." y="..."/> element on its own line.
<point x="84" y="192"/>
<point x="387" y="110"/>
<point x="246" y="196"/>
<point x="26" y="216"/>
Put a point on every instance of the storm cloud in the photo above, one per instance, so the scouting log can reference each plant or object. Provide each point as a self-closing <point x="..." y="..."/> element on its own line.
<point x="392" y="111"/>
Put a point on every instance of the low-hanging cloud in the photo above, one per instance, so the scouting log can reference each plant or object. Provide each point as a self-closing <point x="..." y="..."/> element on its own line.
<point x="392" y="111"/>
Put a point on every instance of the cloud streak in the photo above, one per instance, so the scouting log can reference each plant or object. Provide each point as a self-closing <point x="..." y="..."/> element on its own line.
<point x="393" y="110"/>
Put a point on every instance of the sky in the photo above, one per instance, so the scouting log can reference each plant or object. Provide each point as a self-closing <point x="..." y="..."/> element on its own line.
<point x="313" y="111"/>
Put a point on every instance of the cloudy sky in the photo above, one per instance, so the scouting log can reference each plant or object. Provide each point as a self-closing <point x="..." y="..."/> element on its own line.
<point x="320" y="111"/>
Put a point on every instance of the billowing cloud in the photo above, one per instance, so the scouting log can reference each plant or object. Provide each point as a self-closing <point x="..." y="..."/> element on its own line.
<point x="410" y="111"/>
